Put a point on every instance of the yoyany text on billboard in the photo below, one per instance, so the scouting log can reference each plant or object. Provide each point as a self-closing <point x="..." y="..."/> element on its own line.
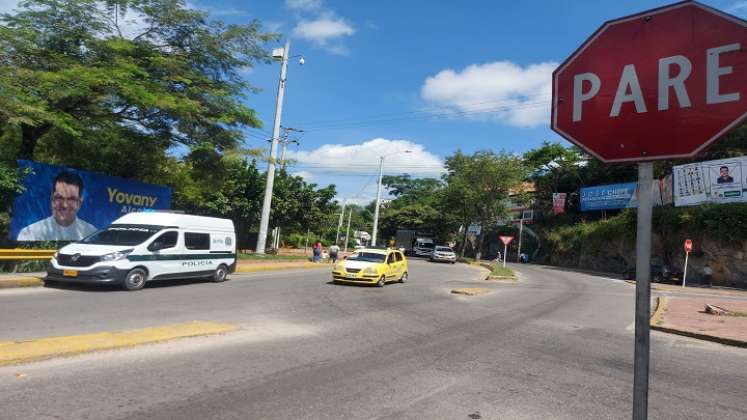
<point x="713" y="181"/>
<point x="625" y="195"/>
<point x="64" y="204"/>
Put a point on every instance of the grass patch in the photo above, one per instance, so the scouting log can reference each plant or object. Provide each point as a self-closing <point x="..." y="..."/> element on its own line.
<point x="501" y="271"/>
<point x="270" y="257"/>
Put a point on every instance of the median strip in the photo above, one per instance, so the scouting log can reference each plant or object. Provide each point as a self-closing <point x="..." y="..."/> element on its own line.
<point x="13" y="352"/>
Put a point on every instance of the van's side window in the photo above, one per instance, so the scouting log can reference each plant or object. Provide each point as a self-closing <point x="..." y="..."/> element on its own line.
<point x="167" y="240"/>
<point x="197" y="240"/>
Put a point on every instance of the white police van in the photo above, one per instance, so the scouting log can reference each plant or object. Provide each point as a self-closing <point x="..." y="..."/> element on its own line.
<point x="139" y="247"/>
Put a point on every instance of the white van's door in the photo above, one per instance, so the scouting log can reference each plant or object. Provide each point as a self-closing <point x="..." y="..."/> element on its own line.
<point x="197" y="258"/>
<point x="166" y="251"/>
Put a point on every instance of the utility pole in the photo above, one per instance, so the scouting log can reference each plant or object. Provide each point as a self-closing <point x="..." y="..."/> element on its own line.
<point x="265" y="219"/>
<point x="285" y="142"/>
<point x="521" y="230"/>
<point x="339" y="223"/>
<point x="378" y="203"/>
<point x="347" y="233"/>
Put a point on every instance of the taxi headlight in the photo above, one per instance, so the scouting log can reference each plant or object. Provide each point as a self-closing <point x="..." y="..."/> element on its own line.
<point x="114" y="256"/>
<point x="371" y="271"/>
<point x="339" y="267"/>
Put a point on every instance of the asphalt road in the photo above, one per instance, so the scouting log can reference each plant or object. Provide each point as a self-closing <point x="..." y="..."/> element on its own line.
<point x="557" y="345"/>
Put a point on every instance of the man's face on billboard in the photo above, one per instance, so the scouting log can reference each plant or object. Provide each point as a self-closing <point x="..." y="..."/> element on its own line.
<point x="724" y="172"/>
<point x="66" y="202"/>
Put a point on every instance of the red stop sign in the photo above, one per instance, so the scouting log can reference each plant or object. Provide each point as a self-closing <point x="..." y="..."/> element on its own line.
<point x="661" y="84"/>
<point x="688" y="245"/>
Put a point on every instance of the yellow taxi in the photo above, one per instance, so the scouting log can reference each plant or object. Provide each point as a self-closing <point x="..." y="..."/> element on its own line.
<point x="371" y="266"/>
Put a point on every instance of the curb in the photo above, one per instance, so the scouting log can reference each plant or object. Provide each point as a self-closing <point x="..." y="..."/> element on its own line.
<point x="656" y="319"/>
<point x="32" y="281"/>
<point x="25" y="351"/>
<point x="470" y="291"/>
<point x="21" y="282"/>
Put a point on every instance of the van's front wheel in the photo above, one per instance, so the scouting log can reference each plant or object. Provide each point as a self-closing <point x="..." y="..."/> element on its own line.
<point x="220" y="273"/>
<point x="135" y="279"/>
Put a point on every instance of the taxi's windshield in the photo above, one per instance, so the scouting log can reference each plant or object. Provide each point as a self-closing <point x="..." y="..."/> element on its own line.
<point x="122" y="235"/>
<point x="367" y="257"/>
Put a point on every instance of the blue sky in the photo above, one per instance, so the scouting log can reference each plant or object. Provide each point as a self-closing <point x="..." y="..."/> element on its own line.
<point x="432" y="77"/>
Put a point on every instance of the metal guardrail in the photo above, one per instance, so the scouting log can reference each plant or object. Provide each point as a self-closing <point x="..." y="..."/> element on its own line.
<point x="20" y="254"/>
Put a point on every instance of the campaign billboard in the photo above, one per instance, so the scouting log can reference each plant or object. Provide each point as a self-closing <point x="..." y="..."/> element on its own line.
<point x="65" y="204"/>
<point x="713" y="181"/>
<point x="624" y="195"/>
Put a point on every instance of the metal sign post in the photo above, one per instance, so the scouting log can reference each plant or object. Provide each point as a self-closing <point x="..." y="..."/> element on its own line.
<point x="506" y="240"/>
<point x="688" y="248"/>
<point x="642" y="291"/>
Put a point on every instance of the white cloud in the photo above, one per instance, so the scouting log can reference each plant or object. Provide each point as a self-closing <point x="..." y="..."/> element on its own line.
<point x="306" y="175"/>
<point x="303" y="4"/>
<point x="501" y="91"/>
<point x="364" y="158"/>
<point x="7" y="6"/>
<point x="324" y="30"/>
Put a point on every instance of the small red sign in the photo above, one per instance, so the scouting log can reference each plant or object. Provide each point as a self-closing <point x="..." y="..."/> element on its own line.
<point x="688" y="245"/>
<point x="506" y="239"/>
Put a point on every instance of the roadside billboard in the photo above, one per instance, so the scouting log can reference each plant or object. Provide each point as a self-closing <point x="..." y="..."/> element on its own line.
<point x="713" y="181"/>
<point x="624" y="195"/>
<point x="65" y="204"/>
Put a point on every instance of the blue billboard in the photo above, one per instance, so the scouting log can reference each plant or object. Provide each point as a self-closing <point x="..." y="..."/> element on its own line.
<point x="64" y="204"/>
<point x="608" y="197"/>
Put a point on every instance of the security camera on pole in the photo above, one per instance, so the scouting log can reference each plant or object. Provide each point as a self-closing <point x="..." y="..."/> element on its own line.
<point x="638" y="83"/>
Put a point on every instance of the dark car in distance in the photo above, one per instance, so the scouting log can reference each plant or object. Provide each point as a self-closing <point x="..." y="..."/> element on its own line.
<point x="659" y="273"/>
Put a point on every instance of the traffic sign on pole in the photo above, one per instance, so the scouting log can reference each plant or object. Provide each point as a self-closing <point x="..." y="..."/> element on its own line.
<point x="688" y="250"/>
<point x="661" y="84"/>
<point x="677" y="72"/>
<point x="506" y="240"/>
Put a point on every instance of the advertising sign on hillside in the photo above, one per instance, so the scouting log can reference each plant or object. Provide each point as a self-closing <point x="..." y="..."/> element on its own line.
<point x="64" y="204"/>
<point x="625" y="195"/>
<point x="713" y="181"/>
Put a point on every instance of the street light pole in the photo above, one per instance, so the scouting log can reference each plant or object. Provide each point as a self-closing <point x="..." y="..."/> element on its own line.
<point x="265" y="219"/>
<point x="378" y="195"/>
<point x="378" y="202"/>
<point x="347" y="233"/>
<point x="339" y="223"/>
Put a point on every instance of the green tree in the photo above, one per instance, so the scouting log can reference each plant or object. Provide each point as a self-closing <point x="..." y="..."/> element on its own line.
<point x="481" y="184"/>
<point x="69" y="70"/>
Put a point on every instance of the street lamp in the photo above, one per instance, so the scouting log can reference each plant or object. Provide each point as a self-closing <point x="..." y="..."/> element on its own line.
<point x="282" y="54"/>
<point x="378" y="195"/>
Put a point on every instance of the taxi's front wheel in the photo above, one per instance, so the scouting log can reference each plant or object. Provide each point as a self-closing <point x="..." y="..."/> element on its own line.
<point x="382" y="281"/>
<point x="403" y="279"/>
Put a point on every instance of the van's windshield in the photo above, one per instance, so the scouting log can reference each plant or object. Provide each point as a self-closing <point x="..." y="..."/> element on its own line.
<point x="124" y="235"/>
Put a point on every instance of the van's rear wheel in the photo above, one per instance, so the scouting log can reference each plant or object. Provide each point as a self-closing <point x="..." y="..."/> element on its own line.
<point x="220" y="273"/>
<point x="135" y="279"/>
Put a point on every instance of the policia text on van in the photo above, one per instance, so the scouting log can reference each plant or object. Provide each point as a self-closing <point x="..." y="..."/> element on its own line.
<point x="139" y="247"/>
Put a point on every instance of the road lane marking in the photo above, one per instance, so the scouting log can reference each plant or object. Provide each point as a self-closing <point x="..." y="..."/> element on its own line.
<point x="14" y="352"/>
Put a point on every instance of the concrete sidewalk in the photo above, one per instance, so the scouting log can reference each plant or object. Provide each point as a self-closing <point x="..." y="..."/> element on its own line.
<point x="686" y="316"/>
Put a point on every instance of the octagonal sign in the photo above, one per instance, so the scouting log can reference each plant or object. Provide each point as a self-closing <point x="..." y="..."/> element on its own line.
<point x="661" y="84"/>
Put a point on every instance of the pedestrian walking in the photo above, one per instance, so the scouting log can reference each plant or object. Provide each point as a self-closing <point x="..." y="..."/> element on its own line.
<point x="317" y="250"/>
<point x="333" y="251"/>
<point x="707" y="275"/>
